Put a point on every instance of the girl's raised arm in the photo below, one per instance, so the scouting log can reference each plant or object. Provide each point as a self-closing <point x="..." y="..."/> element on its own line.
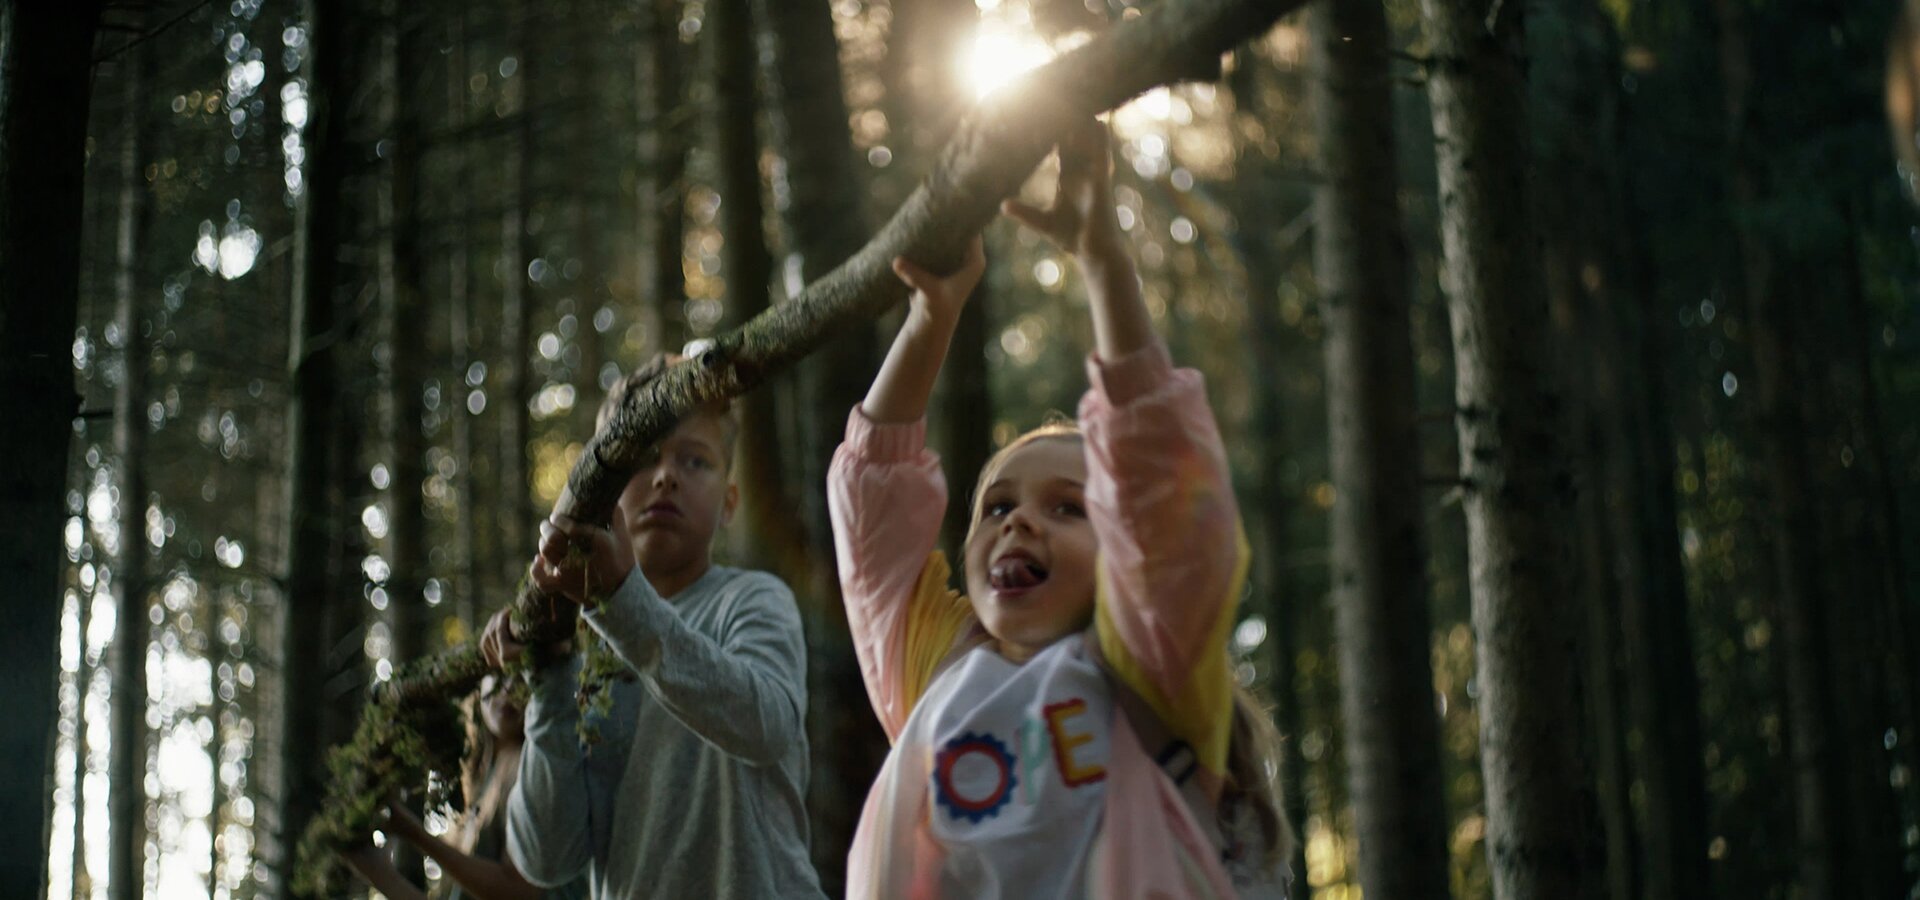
<point x="1172" y="559"/>
<point x="886" y="494"/>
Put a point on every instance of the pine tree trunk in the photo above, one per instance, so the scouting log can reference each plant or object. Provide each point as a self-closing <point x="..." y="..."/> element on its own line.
<point x="1541" y="840"/>
<point x="402" y="290"/>
<point x="664" y="115"/>
<point x="765" y="528"/>
<point x="517" y="516"/>
<point x="1819" y="794"/>
<point x="1281" y="599"/>
<point x="1379" y="549"/>
<point x="45" y="50"/>
<point x="460" y="336"/>
<point x="312" y="409"/>
<point x="126" y="775"/>
<point x="824" y="221"/>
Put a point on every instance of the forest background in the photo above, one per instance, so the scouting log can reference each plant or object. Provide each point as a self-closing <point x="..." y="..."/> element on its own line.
<point x="1705" y="297"/>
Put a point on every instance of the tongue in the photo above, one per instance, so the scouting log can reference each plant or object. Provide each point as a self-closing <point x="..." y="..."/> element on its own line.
<point x="1016" y="573"/>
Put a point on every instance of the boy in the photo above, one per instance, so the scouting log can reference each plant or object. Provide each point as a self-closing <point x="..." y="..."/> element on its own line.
<point x="696" y="786"/>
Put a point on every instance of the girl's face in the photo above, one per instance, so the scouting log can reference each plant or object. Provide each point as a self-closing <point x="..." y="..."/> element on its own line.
<point x="1031" y="554"/>
<point x="499" y="710"/>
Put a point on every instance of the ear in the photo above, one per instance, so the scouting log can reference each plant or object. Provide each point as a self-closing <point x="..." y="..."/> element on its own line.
<point x="728" y="505"/>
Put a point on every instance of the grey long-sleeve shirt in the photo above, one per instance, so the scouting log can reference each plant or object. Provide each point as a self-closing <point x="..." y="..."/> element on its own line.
<point x="697" y="785"/>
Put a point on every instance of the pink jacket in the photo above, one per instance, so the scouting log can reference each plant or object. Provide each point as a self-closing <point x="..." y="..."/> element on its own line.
<point x="1172" y="564"/>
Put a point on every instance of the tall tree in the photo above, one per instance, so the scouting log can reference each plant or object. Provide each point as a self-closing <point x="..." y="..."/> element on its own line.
<point x="516" y="319"/>
<point x="461" y="338"/>
<point x="1819" y="792"/>
<point x="766" y="523"/>
<point x="661" y="189"/>
<point x="1379" y="549"/>
<point x="402" y="290"/>
<point x="127" y="770"/>
<point x="46" y="47"/>
<point x="1267" y="249"/>
<point x="1592" y="273"/>
<point x="313" y="370"/>
<point x="824" y="221"/>
<point x="1541" y="841"/>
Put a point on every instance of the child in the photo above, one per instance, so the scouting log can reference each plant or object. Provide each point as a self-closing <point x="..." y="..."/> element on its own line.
<point x="1064" y="729"/>
<point x="473" y="856"/>
<point x="696" y="786"/>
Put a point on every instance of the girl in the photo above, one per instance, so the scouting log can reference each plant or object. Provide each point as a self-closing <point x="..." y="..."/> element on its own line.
<point x="1068" y="728"/>
<point x="474" y="859"/>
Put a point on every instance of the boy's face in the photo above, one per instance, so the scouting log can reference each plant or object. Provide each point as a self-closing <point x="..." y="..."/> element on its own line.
<point x="676" y="502"/>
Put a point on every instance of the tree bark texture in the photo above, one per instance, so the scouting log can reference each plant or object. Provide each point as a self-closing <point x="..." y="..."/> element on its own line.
<point x="127" y="769"/>
<point x="313" y="371"/>
<point x="1379" y="556"/>
<point x="45" y="50"/>
<point x="995" y="148"/>
<point x="1541" y="840"/>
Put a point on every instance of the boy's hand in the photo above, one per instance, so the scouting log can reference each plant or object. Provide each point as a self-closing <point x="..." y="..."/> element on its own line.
<point x="1081" y="218"/>
<point x="939" y="299"/>
<point x="603" y="561"/>
<point x="498" y="647"/>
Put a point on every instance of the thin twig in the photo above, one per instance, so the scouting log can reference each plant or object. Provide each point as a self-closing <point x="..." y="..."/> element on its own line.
<point x="203" y="4"/>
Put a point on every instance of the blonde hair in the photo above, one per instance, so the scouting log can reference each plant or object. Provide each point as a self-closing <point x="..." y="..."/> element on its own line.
<point x="1253" y="750"/>
<point x="654" y="368"/>
<point x="476" y="770"/>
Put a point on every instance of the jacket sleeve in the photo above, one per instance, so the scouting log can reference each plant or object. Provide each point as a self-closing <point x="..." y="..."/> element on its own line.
<point x="886" y="495"/>
<point x="744" y="692"/>
<point x="1173" y="557"/>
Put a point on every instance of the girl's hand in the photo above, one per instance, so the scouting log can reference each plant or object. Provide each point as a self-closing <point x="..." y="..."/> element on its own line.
<point x="939" y="299"/>
<point x="1081" y="218"/>
<point x="601" y="564"/>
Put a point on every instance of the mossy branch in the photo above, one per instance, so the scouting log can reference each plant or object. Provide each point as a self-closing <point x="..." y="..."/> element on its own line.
<point x="996" y="146"/>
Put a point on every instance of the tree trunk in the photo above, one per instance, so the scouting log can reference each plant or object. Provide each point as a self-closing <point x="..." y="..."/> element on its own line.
<point x="765" y="529"/>
<point x="1379" y="549"/>
<point x="1265" y="254"/>
<point x="126" y="776"/>
<point x="824" y="221"/>
<point x="45" y="51"/>
<point x="664" y="115"/>
<point x="994" y="150"/>
<point x="1819" y="792"/>
<point x="1541" y="840"/>
<point x="460" y="336"/>
<point x="312" y="410"/>
<point x="517" y="516"/>
<point x="402" y="289"/>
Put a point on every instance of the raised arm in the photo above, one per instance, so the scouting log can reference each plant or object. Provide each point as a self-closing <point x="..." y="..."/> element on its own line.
<point x="1172" y="556"/>
<point x="886" y="495"/>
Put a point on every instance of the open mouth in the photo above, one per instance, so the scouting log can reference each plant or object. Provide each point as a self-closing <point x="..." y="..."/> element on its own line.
<point x="1016" y="572"/>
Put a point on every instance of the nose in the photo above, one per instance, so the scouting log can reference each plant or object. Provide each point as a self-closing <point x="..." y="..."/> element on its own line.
<point x="663" y="476"/>
<point x="1017" y="520"/>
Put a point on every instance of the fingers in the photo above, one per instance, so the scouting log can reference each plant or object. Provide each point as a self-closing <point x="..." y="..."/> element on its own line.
<point x="1042" y="220"/>
<point x="916" y="277"/>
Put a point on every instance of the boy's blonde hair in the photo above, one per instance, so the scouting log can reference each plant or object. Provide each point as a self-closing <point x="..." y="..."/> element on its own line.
<point x="654" y="368"/>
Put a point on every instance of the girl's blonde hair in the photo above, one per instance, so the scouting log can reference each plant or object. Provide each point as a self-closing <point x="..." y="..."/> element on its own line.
<point x="1253" y="751"/>
<point x="476" y="767"/>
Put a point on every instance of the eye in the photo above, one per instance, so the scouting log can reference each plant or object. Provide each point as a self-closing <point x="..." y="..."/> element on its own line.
<point x="994" y="509"/>
<point x="1071" y="508"/>
<point x="696" y="462"/>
